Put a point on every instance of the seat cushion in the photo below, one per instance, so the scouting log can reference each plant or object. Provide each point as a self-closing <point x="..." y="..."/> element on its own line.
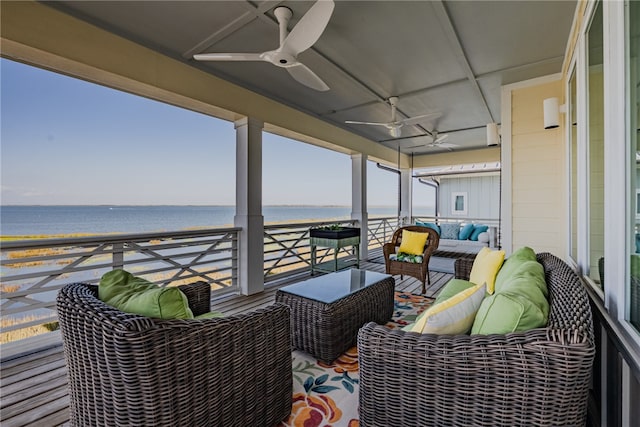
<point x="131" y="294"/>
<point x="413" y="242"/>
<point x="452" y="316"/>
<point x="403" y="257"/>
<point x="485" y="267"/>
<point x="452" y="288"/>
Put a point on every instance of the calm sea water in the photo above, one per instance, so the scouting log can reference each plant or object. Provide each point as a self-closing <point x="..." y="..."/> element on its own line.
<point x="44" y="220"/>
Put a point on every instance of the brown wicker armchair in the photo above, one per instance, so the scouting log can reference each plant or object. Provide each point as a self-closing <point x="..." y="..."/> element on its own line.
<point x="536" y="378"/>
<point x="418" y="270"/>
<point x="124" y="369"/>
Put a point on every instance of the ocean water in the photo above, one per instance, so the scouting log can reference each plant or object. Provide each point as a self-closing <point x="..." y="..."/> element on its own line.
<point x="46" y="220"/>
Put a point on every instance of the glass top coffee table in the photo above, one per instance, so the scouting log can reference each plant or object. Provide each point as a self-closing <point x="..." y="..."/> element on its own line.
<point x="327" y="311"/>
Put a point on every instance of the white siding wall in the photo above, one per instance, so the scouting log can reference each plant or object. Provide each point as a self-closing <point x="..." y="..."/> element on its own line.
<point x="483" y="195"/>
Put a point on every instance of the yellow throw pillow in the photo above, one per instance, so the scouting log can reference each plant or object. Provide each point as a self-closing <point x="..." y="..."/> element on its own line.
<point x="413" y="242"/>
<point x="452" y="316"/>
<point x="486" y="267"/>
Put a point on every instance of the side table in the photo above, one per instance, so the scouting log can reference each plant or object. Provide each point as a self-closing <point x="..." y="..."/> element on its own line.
<point x="336" y="245"/>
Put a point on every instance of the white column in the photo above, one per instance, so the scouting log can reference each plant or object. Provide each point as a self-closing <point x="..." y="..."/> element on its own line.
<point x="405" y="196"/>
<point x="249" y="205"/>
<point x="359" y="200"/>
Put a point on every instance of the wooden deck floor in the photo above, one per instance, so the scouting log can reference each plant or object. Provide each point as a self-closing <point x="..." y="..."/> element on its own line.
<point x="33" y="383"/>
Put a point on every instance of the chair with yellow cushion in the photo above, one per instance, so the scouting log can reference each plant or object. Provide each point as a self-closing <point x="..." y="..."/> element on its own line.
<point x="409" y="252"/>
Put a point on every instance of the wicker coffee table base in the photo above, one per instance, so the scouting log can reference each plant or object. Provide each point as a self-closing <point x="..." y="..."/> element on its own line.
<point x="328" y="330"/>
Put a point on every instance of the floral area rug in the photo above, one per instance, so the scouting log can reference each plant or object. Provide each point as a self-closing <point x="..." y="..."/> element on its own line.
<point x="327" y="395"/>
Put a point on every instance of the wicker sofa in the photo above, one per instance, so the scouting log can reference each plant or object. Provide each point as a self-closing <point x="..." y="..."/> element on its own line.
<point x="125" y="369"/>
<point x="536" y="378"/>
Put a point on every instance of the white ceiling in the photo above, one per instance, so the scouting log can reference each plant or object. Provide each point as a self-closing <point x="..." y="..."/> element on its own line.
<point x="449" y="57"/>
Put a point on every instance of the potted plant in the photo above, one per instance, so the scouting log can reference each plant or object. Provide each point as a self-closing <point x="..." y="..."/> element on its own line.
<point x="334" y="231"/>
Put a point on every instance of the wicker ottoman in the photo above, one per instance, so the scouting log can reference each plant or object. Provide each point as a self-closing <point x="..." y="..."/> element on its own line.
<point x="328" y="311"/>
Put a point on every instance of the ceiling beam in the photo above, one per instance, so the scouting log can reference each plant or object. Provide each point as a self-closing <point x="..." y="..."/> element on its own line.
<point x="454" y="40"/>
<point x="252" y="13"/>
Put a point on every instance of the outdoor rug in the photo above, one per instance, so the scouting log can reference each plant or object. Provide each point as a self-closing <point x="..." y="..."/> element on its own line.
<point x="327" y="395"/>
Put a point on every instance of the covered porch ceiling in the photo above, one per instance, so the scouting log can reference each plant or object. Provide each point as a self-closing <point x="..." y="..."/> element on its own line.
<point x="445" y="57"/>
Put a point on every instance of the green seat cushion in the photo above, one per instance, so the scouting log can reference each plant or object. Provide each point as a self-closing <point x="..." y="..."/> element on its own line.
<point x="512" y="264"/>
<point x="131" y="294"/>
<point x="404" y="257"/>
<point x="519" y="307"/>
<point x="210" y="315"/>
<point x="453" y="287"/>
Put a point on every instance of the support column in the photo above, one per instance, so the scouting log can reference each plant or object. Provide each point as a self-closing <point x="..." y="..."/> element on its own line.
<point x="406" y="191"/>
<point x="249" y="205"/>
<point x="359" y="200"/>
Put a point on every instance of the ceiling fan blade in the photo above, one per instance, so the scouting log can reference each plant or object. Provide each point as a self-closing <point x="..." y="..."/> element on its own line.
<point x="421" y="118"/>
<point x="354" y="122"/>
<point x="304" y="75"/>
<point x="309" y="29"/>
<point x="228" y="57"/>
<point x="446" y="145"/>
<point x="441" y="138"/>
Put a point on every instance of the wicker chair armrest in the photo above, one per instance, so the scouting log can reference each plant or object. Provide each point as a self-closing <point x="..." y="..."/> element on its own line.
<point x="462" y="268"/>
<point x="388" y="249"/>
<point x="198" y="295"/>
<point x="456" y="375"/>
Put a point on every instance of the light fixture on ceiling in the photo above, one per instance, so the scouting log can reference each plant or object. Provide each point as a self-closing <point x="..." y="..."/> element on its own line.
<point x="552" y="110"/>
<point x="493" y="135"/>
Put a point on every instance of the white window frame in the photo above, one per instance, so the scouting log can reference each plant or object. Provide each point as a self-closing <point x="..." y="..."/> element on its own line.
<point x="465" y="200"/>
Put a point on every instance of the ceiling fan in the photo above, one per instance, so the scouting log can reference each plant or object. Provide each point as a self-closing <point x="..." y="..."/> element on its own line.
<point x="306" y="32"/>
<point x="437" y="140"/>
<point x="395" y="125"/>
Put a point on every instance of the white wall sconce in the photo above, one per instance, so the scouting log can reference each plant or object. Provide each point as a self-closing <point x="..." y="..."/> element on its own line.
<point x="552" y="111"/>
<point x="493" y="135"/>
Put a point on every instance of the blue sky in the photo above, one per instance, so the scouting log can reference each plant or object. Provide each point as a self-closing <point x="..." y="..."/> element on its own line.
<point x="66" y="141"/>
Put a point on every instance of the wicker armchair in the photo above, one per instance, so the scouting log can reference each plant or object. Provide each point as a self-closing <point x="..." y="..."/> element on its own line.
<point x="536" y="378"/>
<point x="419" y="271"/>
<point x="124" y="369"/>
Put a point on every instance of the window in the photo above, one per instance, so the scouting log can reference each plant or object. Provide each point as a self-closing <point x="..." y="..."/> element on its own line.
<point x="573" y="167"/>
<point x="595" y="141"/>
<point x="459" y="203"/>
<point x="633" y="103"/>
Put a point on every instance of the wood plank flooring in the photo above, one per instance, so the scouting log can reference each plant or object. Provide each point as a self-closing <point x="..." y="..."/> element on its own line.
<point x="33" y="383"/>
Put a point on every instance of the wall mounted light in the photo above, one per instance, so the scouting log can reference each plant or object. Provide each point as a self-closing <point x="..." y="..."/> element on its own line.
<point x="493" y="135"/>
<point x="552" y="110"/>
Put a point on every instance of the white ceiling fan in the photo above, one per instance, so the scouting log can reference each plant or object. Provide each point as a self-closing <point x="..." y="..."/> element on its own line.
<point x="437" y="140"/>
<point x="395" y="125"/>
<point x="306" y="32"/>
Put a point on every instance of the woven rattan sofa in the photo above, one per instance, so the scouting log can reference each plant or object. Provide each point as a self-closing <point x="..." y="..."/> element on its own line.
<point x="536" y="378"/>
<point x="129" y="370"/>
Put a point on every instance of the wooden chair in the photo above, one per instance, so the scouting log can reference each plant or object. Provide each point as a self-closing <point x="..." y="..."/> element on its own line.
<point x="418" y="270"/>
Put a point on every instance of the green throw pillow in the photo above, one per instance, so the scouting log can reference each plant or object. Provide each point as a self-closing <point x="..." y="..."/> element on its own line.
<point x="131" y="294"/>
<point x="512" y="264"/>
<point x="519" y="307"/>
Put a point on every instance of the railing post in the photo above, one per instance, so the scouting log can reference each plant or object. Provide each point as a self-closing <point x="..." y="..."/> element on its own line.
<point x="118" y="256"/>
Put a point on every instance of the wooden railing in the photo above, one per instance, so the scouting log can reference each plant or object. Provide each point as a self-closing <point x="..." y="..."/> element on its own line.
<point x="287" y="249"/>
<point x="33" y="271"/>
